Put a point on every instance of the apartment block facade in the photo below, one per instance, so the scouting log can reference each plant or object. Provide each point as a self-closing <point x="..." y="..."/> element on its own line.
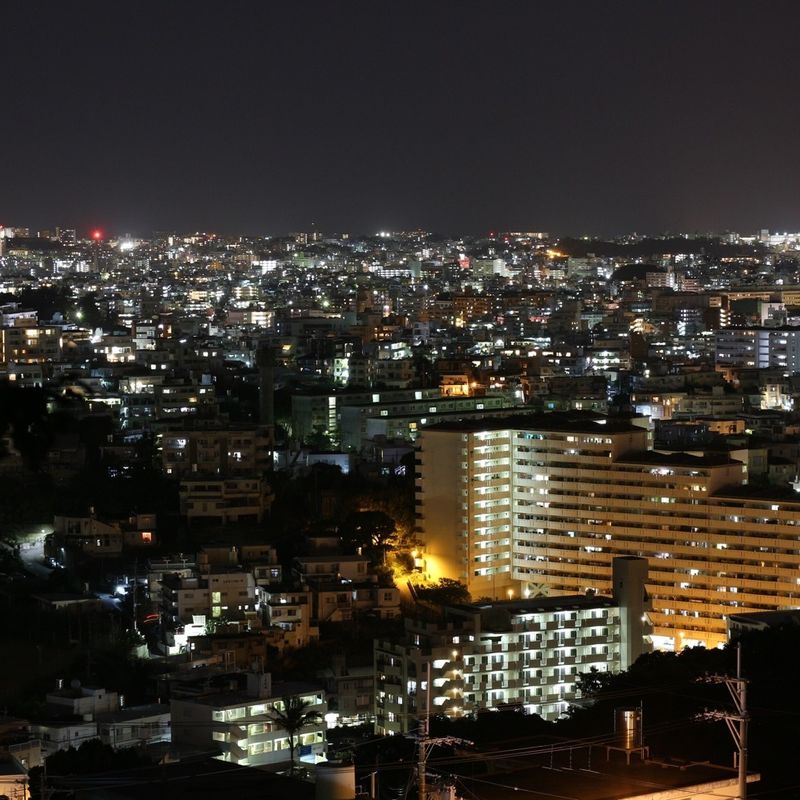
<point x="542" y="504"/>
<point x="240" y="725"/>
<point x="224" y="452"/>
<point x="524" y="653"/>
<point x="758" y="347"/>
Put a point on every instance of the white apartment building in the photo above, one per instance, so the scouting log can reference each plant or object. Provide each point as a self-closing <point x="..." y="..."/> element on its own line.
<point x="542" y="504"/>
<point x="511" y="653"/>
<point x="239" y="723"/>
<point x="220" y="592"/>
<point x="759" y="348"/>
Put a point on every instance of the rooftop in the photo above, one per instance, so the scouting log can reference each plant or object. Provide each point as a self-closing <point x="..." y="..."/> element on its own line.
<point x="677" y="459"/>
<point x="133" y="713"/>
<point x="536" y="605"/>
<point x="239" y="697"/>
<point x="574" y="777"/>
<point x="200" y="779"/>
<point x="568" y="422"/>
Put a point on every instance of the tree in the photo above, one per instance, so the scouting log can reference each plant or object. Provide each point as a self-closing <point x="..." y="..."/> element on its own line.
<point x="374" y="531"/>
<point x="295" y="715"/>
<point x="445" y="592"/>
<point x="593" y="682"/>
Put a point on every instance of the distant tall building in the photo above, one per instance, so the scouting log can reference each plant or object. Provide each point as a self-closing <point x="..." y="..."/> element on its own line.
<point x="542" y="504"/>
<point x="265" y="361"/>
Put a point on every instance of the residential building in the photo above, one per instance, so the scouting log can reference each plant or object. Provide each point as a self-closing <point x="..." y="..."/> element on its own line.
<point x="291" y="609"/>
<point x="332" y="567"/>
<point x="239" y="723"/>
<point x="758" y="347"/>
<point x="341" y="601"/>
<point x="219" y="593"/>
<point x="134" y="726"/>
<point x="98" y="537"/>
<point x="211" y="499"/>
<point x="351" y="691"/>
<point x="542" y="504"/>
<point x="55" y="736"/>
<point x="402" y="419"/>
<point x="26" y="343"/>
<point x="81" y="701"/>
<point x="525" y="653"/>
<point x="223" y="452"/>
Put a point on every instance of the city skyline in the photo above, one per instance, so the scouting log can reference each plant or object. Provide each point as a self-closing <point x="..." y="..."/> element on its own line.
<point x="368" y="367"/>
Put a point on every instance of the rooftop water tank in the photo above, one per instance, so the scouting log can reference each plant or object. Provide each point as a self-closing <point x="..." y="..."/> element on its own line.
<point x="335" y="781"/>
<point x="628" y="727"/>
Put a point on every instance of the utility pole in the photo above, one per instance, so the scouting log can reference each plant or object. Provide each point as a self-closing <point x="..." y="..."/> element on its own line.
<point x="426" y="743"/>
<point x="737" y="722"/>
<point x="135" y="591"/>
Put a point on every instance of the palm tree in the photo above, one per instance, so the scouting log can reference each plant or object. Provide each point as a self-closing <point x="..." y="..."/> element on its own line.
<point x="295" y="715"/>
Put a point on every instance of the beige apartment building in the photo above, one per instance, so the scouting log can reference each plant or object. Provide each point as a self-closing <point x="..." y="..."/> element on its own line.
<point x="27" y="343"/>
<point x="540" y="504"/>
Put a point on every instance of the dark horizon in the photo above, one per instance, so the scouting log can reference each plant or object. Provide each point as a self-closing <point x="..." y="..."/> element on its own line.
<point x="466" y="116"/>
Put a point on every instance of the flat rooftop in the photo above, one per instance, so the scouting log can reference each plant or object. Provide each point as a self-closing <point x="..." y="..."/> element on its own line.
<point x="676" y="459"/>
<point x="200" y="779"/>
<point x="240" y="697"/>
<point x="134" y="712"/>
<point x="566" y="422"/>
<point x="577" y="777"/>
<point x="535" y="605"/>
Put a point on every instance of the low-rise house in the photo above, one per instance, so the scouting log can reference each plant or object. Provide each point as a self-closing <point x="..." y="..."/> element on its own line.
<point x="13" y="778"/>
<point x="239" y="649"/>
<point x="56" y="736"/>
<point x="97" y="537"/>
<point x="260" y="559"/>
<point x="135" y="726"/>
<point x="221" y="592"/>
<point x="335" y="567"/>
<point x="340" y="601"/>
<point x="291" y="609"/>
<point x="81" y="701"/>
<point x="214" y="500"/>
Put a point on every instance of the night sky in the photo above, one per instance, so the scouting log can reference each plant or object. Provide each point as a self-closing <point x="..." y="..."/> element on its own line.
<point x="265" y="117"/>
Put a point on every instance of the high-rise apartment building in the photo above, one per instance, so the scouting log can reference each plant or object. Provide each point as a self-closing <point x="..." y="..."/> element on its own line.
<point x="542" y="504"/>
<point x="516" y="653"/>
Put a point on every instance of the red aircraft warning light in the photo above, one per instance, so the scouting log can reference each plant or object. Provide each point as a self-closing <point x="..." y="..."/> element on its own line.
<point x="97" y="235"/>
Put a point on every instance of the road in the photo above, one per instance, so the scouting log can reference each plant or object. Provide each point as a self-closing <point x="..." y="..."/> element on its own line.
<point x="31" y="553"/>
